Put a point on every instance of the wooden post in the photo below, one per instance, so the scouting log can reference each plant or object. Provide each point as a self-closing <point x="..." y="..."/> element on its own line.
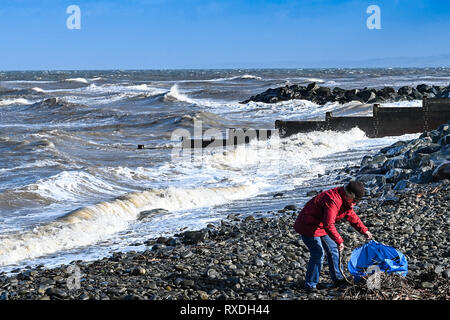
<point x="281" y="128"/>
<point x="425" y="114"/>
<point x="375" y="122"/>
<point x="328" y="116"/>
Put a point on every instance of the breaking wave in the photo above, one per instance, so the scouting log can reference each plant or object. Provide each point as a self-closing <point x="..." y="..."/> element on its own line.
<point x="243" y="77"/>
<point x="91" y="224"/>
<point x="16" y="101"/>
<point x="175" y="95"/>
<point x="78" y="80"/>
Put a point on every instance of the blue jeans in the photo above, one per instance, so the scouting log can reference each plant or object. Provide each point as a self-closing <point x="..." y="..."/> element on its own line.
<point x="318" y="246"/>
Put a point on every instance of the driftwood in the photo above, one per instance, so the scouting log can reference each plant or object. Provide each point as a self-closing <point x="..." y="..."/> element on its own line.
<point x="397" y="287"/>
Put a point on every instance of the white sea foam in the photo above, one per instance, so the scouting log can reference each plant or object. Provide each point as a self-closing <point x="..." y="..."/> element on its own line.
<point x="175" y="95"/>
<point x="245" y="76"/>
<point x="69" y="185"/>
<point x="277" y="157"/>
<point x="30" y="81"/>
<point x="332" y="83"/>
<point x="315" y="80"/>
<point x="131" y="90"/>
<point x="140" y="87"/>
<point x="242" y="77"/>
<point x="401" y="104"/>
<point x="34" y="164"/>
<point x="307" y="110"/>
<point x="79" y="80"/>
<point x="8" y="102"/>
<point x="37" y="89"/>
<point x="303" y="79"/>
<point x="88" y="225"/>
<point x="112" y="93"/>
<point x="73" y="186"/>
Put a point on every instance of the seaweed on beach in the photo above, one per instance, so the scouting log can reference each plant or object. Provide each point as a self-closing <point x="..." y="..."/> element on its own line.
<point x="426" y="286"/>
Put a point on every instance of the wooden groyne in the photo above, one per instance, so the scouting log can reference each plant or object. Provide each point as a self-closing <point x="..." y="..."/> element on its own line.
<point x="235" y="136"/>
<point x="386" y="121"/>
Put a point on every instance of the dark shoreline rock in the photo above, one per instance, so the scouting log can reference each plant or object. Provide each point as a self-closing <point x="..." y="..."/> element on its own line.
<point x="322" y="95"/>
<point x="418" y="161"/>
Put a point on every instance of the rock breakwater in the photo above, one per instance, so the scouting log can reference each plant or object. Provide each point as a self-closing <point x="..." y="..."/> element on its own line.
<point x="322" y="95"/>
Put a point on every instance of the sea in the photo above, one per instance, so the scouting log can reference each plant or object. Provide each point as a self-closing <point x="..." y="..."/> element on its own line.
<point x="73" y="183"/>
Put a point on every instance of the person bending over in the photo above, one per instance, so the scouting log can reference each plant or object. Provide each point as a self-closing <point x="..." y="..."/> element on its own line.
<point x="316" y="225"/>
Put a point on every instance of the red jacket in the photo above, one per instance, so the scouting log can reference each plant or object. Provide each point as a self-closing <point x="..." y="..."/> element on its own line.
<point x="319" y="215"/>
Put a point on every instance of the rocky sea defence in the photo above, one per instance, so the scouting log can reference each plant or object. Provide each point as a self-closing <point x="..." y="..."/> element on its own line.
<point x="398" y="166"/>
<point x="251" y="257"/>
<point x="322" y="95"/>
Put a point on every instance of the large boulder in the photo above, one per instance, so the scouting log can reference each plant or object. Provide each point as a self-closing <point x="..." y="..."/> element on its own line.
<point x="395" y="149"/>
<point x="444" y="128"/>
<point x="442" y="171"/>
<point x="387" y="93"/>
<point x="426" y="177"/>
<point x="422" y="88"/>
<point x="429" y="95"/>
<point x="312" y="86"/>
<point x="434" y="135"/>
<point x="396" y="162"/>
<point x="377" y="100"/>
<point x="405" y="91"/>
<point x="373" y="161"/>
<point x="394" y="175"/>
<point x="372" y="180"/>
<point x="151" y="213"/>
<point x="444" y="93"/>
<point x="352" y="95"/>
<point x="416" y="160"/>
<point x="338" y="91"/>
<point x="367" y="95"/>
<point x="445" y="140"/>
<point x="415" y="95"/>
<point x="401" y="185"/>
<point x="429" y="149"/>
<point x="193" y="237"/>
<point x="324" y="91"/>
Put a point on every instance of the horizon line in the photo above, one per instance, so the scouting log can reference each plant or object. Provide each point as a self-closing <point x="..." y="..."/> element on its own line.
<point x="225" y="68"/>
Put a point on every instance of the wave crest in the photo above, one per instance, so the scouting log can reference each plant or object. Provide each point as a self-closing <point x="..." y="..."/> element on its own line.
<point x="91" y="224"/>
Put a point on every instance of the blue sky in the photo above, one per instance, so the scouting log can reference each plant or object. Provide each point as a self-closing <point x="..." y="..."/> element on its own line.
<point x="168" y="34"/>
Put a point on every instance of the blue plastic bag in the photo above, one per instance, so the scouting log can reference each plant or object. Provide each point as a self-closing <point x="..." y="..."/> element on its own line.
<point x="373" y="253"/>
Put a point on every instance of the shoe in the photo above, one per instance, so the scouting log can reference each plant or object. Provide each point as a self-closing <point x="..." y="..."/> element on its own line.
<point x="341" y="283"/>
<point x="311" y="290"/>
<point x="322" y="286"/>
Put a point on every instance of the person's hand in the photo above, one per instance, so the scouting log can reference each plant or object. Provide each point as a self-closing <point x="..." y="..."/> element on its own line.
<point x="341" y="247"/>
<point x="368" y="235"/>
